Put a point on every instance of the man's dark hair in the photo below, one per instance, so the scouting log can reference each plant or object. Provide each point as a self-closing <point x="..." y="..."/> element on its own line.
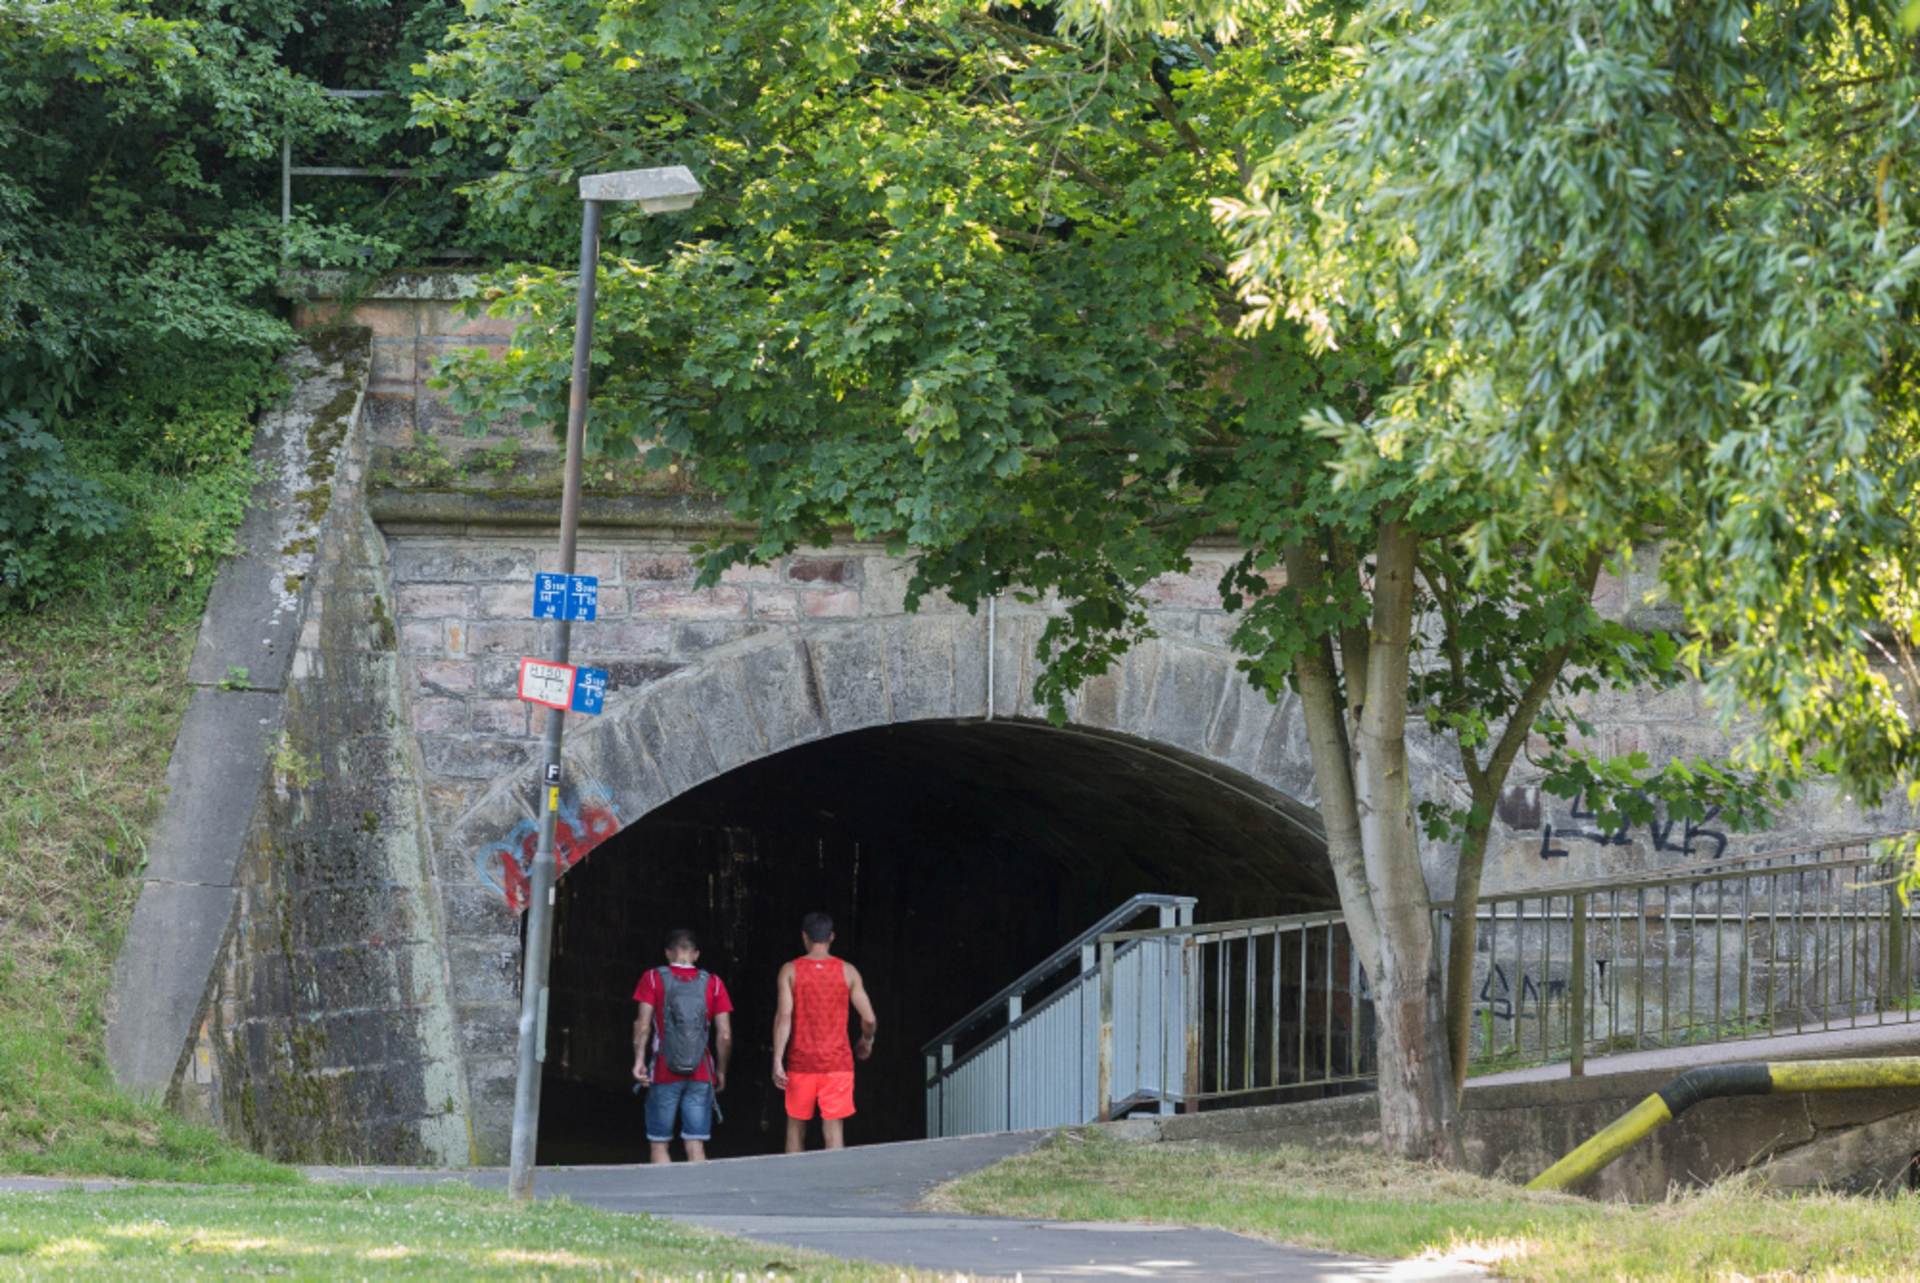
<point x="817" y="927"/>
<point x="681" y="938"/>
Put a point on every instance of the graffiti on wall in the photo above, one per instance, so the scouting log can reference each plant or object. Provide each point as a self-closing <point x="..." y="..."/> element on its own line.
<point x="1521" y="809"/>
<point x="583" y="823"/>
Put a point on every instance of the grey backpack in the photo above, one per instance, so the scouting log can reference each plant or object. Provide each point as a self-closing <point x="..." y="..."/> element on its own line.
<point x="683" y="1022"/>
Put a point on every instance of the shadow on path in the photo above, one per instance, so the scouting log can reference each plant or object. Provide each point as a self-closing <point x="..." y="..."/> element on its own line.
<point x="861" y="1204"/>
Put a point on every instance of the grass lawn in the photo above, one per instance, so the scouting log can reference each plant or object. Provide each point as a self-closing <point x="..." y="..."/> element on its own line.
<point x="1358" y="1202"/>
<point x="91" y="695"/>
<point x="323" y="1232"/>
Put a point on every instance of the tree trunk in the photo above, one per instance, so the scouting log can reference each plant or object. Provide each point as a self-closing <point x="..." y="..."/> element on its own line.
<point x="1417" y="1110"/>
<point x="1462" y="943"/>
<point x="1322" y="710"/>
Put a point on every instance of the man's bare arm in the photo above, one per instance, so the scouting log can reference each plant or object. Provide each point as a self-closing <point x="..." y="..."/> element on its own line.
<point x="782" y="1024"/>
<point x="722" y="1048"/>
<point x="869" y="1023"/>
<point x="642" y="1037"/>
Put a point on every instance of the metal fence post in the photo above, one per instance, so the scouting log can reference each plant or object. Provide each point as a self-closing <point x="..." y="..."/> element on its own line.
<point x="1577" y="992"/>
<point x="1104" y="1090"/>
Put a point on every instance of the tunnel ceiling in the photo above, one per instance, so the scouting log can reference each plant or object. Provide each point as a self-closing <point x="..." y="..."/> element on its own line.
<point x="1096" y="807"/>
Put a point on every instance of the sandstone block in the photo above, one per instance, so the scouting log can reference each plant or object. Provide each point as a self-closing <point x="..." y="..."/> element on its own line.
<point x="770" y="573"/>
<point x="466" y="563"/>
<point x="474" y="759"/>
<point x="669" y="725"/>
<point x="434" y="716"/>
<point x="501" y="637"/>
<point x="1191" y="683"/>
<point x="445" y="676"/>
<point x="655" y="601"/>
<point x="853" y="666"/>
<point x="657" y="568"/>
<point x="623" y="638"/>
<point x="784" y="694"/>
<point x="774" y="605"/>
<point x="422" y="637"/>
<point x="503" y="717"/>
<point x="840" y="603"/>
<point x="433" y="601"/>
<point x="920" y="667"/>
<point x="825" y="570"/>
<point x="602" y="562"/>
<point x="691" y="639"/>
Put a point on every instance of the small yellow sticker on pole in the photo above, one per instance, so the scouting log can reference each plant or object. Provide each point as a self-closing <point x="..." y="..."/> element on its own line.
<point x="553" y="799"/>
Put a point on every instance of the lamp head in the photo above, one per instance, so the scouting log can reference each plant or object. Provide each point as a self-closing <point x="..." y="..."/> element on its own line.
<point x="657" y="191"/>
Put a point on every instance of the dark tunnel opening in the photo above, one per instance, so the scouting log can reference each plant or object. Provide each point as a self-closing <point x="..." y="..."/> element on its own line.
<point x="952" y="856"/>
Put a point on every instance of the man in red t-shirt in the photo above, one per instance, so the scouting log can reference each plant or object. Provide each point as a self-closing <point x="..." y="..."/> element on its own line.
<point x="814" y="993"/>
<point x="685" y="1100"/>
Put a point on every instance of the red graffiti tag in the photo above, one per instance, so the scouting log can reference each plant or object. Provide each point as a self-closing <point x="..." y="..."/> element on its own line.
<point x="576" y="831"/>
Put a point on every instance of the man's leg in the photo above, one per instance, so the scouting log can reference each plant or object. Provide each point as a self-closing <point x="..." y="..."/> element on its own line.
<point x="803" y="1096"/>
<point x="836" y="1106"/>
<point x="696" y="1120"/>
<point x="663" y="1112"/>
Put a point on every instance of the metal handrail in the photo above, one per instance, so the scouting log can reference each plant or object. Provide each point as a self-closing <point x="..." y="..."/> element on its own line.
<point x="936" y="1071"/>
<point x="1671" y="875"/>
<point x="1057" y="960"/>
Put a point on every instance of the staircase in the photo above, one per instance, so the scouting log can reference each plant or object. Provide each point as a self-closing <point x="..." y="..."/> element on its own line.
<point x="1030" y="1055"/>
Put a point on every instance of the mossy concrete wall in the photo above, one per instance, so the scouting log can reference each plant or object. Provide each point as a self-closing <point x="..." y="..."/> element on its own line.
<point x="316" y="985"/>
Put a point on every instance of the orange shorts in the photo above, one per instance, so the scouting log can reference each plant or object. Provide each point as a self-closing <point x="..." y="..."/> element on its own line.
<point x="832" y="1092"/>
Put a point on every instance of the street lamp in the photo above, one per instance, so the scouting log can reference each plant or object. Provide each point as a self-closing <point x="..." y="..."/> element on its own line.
<point x="656" y="191"/>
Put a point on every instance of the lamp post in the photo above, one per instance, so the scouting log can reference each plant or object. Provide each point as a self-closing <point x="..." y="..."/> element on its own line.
<point x="656" y="191"/>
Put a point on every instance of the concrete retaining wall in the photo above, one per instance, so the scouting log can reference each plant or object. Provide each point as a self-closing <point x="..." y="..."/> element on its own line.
<point x="307" y="977"/>
<point x="1853" y="1140"/>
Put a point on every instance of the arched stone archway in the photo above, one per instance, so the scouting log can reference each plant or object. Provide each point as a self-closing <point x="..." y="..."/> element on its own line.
<point x="1174" y="698"/>
<point x="1175" y="704"/>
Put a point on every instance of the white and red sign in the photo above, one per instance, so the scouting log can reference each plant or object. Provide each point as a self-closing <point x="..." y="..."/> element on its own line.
<point x="544" y="682"/>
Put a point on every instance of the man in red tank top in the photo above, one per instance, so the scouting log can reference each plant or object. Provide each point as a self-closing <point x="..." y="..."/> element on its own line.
<point x="812" y="1060"/>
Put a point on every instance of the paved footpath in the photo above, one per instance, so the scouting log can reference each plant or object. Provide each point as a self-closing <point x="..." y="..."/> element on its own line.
<point x="860" y="1204"/>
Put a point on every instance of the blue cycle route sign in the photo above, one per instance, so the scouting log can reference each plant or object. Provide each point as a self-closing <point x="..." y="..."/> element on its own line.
<point x="571" y="597"/>
<point x="590" y="690"/>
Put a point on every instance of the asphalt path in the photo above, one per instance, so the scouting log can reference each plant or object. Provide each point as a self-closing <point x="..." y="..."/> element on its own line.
<point x="862" y="1204"/>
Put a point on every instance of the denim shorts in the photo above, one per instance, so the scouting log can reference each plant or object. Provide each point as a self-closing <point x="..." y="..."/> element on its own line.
<point x="690" y="1103"/>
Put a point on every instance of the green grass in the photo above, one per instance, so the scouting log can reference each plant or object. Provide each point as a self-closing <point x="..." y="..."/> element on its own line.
<point x="91" y="695"/>
<point x="317" y="1232"/>
<point x="1351" y="1201"/>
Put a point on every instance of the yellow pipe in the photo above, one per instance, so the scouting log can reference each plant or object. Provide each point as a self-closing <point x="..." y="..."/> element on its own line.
<point x="1605" y="1145"/>
<point x="1748" y="1079"/>
<point x="1835" y="1075"/>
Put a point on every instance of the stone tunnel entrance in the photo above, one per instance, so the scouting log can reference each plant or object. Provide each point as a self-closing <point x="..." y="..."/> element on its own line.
<point x="953" y="857"/>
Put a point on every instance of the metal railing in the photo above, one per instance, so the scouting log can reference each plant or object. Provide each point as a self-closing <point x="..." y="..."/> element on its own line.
<point x="1782" y="943"/>
<point x="1026" y="1057"/>
<point x="1278" y="1003"/>
<point x="1762" y="946"/>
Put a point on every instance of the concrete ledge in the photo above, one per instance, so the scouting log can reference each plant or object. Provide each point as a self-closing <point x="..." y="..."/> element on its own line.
<point x="459" y="511"/>
<point x="220" y="766"/>
<point x="161" y="979"/>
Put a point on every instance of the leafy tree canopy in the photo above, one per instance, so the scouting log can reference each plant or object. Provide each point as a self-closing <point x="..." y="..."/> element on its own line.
<point x="1646" y="271"/>
<point x="140" y="242"/>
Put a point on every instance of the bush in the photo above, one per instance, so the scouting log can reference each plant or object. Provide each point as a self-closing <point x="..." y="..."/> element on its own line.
<point x="47" y="509"/>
